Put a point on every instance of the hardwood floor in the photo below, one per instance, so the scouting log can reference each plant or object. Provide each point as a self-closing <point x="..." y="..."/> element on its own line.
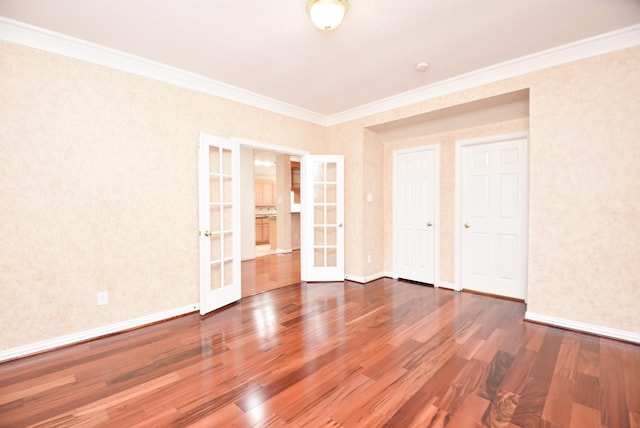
<point x="388" y="353"/>
<point x="270" y="272"/>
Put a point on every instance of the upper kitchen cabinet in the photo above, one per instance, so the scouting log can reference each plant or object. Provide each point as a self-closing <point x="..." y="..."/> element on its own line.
<point x="265" y="193"/>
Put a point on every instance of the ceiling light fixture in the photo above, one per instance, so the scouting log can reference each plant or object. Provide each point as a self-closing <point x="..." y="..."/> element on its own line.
<point x="327" y="14"/>
<point x="267" y="163"/>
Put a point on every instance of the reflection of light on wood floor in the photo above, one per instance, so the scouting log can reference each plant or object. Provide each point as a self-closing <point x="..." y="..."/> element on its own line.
<point x="264" y="250"/>
<point x="270" y="272"/>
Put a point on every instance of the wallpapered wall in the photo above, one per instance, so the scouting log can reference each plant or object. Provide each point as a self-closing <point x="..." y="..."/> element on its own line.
<point x="584" y="148"/>
<point x="98" y="187"/>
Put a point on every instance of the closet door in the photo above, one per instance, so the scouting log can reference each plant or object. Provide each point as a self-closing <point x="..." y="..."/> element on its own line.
<point x="493" y="227"/>
<point x="416" y="214"/>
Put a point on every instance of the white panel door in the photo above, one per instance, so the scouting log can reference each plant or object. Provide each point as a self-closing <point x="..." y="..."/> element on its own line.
<point x="494" y="218"/>
<point x="322" y="217"/>
<point x="416" y="181"/>
<point x="219" y="220"/>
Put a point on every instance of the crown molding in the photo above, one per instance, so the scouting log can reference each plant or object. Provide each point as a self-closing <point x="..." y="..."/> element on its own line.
<point x="604" y="43"/>
<point x="49" y="41"/>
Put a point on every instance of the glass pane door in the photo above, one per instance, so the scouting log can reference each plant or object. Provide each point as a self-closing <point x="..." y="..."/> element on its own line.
<point x="323" y="217"/>
<point x="219" y="223"/>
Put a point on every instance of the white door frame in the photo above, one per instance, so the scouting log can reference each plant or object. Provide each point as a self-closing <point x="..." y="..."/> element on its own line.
<point x="436" y="213"/>
<point x="259" y="145"/>
<point x="460" y="144"/>
<point x="304" y="215"/>
<point x="269" y="147"/>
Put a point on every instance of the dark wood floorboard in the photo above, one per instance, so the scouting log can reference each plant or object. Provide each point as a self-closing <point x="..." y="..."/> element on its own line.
<point x="388" y="353"/>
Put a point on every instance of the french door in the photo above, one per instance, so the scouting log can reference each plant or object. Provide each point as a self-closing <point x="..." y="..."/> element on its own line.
<point x="322" y="217"/>
<point x="219" y="222"/>
<point x="493" y="217"/>
<point x="416" y="183"/>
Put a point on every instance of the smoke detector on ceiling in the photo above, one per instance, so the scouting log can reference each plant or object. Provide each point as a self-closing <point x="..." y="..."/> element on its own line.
<point x="422" y="66"/>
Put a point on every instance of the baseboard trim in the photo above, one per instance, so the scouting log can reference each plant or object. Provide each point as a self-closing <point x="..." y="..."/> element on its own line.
<point x="624" y="335"/>
<point x="364" y="279"/>
<point x="447" y="285"/>
<point x="83" y="336"/>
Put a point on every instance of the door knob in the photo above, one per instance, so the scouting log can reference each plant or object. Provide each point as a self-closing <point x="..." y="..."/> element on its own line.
<point x="429" y="224"/>
<point x="467" y="225"/>
<point x="340" y="225"/>
<point x="207" y="233"/>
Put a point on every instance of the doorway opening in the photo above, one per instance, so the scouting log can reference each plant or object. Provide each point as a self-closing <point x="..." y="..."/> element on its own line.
<point x="270" y="216"/>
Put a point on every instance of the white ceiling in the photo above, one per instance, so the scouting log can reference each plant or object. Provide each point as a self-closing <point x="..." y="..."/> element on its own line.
<point x="271" y="48"/>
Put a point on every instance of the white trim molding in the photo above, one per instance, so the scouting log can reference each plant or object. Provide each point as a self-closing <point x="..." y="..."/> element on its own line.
<point x="260" y="145"/>
<point x="364" y="279"/>
<point x="50" y="41"/>
<point x="446" y="285"/>
<point x="627" y="336"/>
<point x="82" y="336"/>
<point x="604" y="43"/>
<point x="61" y="44"/>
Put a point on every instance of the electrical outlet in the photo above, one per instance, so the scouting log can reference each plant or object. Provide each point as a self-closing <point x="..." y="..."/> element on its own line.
<point x="369" y="258"/>
<point x="103" y="298"/>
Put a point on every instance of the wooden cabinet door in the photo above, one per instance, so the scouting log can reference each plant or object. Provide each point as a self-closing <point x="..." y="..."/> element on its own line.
<point x="262" y="231"/>
<point x="258" y="231"/>
<point x="257" y="192"/>
<point x="264" y="192"/>
<point x="268" y="197"/>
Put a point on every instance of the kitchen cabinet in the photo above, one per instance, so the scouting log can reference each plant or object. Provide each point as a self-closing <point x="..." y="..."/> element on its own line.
<point x="262" y="231"/>
<point x="273" y="233"/>
<point x="265" y="193"/>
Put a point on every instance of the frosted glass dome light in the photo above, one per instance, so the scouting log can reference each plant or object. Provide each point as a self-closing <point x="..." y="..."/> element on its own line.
<point x="327" y="14"/>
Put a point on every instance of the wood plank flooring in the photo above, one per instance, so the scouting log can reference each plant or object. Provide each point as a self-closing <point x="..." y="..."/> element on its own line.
<point x="389" y="353"/>
<point x="269" y="272"/>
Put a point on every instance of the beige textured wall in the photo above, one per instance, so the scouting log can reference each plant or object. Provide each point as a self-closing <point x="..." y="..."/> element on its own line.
<point x="585" y="192"/>
<point x="98" y="187"/>
<point x="584" y="184"/>
<point x="583" y="142"/>
<point x="373" y="235"/>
